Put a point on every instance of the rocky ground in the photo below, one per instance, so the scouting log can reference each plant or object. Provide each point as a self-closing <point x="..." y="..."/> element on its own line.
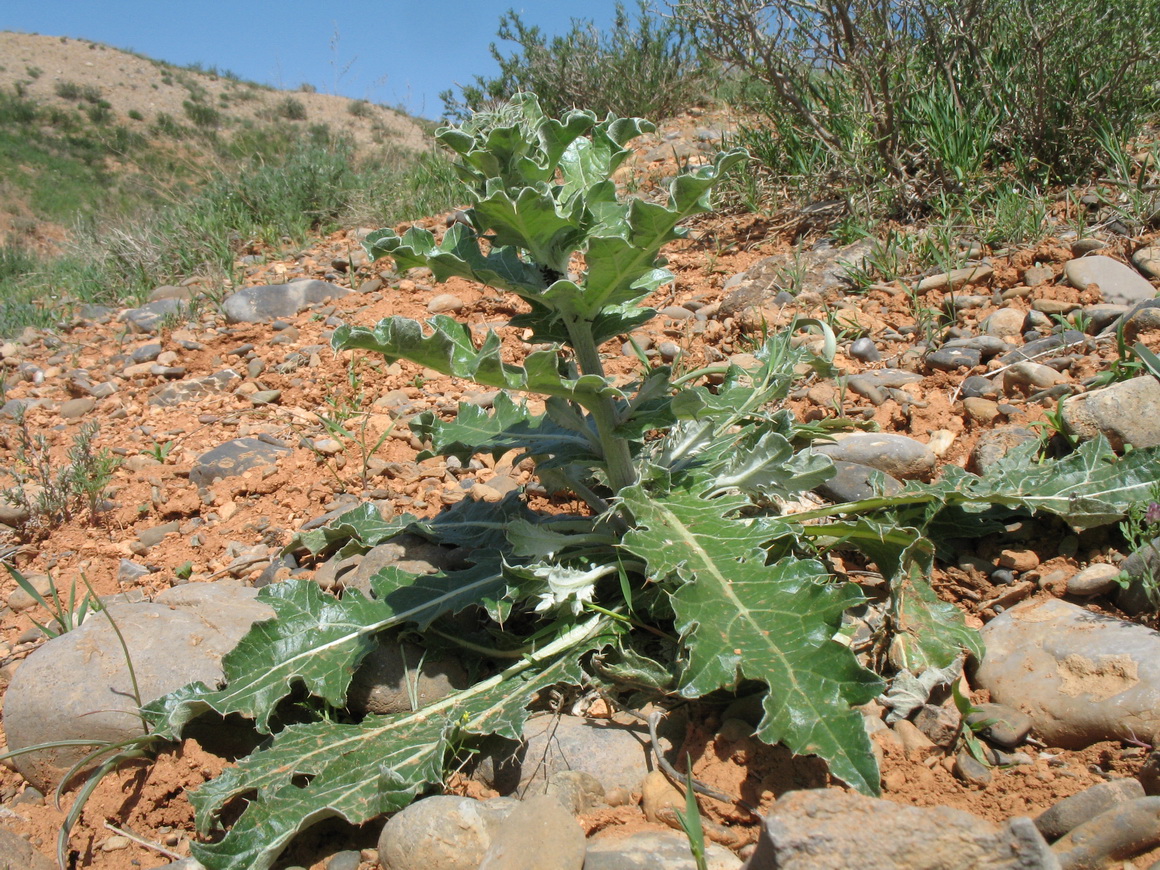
<point x="223" y="406"/>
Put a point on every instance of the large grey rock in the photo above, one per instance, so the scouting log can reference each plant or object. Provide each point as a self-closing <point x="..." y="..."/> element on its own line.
<point x="1119" y="283"/>
<point x="77" y="686"/>
<point x="233" y="458"/>
<point x="536" y="835"/>
<point x="649" y="850"/>
<point x="1082" y="677"/>
<point x="896" y="455"/>
<point x="830" y="830"/>
<point x="1124" y="413"/>
<point x="262" y="304"/>
<point x="398" y="677"/>
<point x="442" y="832"/>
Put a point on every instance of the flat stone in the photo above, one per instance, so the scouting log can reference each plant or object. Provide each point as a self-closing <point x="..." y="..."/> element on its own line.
<point x="650" y="850"/>
<point x="1028" y="377"/>
<point x="154" y="535"/>
<point x="20" y="600"/>
<point x="1038" y="274"/>
<point x="146" y="352"/>
<point x="956" y="278"/>
<point x="897" y="455"/>
<point x="150" y="316"/>
<point x="266" y="397"/>
<point x="1095" y="579"/>
<point x="827" y="829"/>
<point x="17" y="852"/>
<point x="76" y="408"/>
<point x="948" y="359"/>
<point x="269" y="302"/>
<point x="1034" y="350"/>
<point x="233" y="458"/>
<point x="1124" y="831"/>
<point x="979" y="387"/>
<point x="1071" y="812"/>
<point x="1123" y="412"/>
<point x="442" y="832"/>
<point x="1118" y="283"/>
<point x="77" y="686"/>
<point x="536" y="834"/>
<point x="981" y="411"/>
<point x="1082" y="677"/>
<point x="854" y="482"/>
<point x="171" y="395"/>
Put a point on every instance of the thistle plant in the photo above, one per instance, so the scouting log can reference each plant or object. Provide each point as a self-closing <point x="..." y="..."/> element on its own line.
<point x="680" y="577"/>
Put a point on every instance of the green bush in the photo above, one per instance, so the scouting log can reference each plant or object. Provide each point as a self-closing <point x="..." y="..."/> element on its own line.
<point x="206" y="117"/>
<point x="290" y="109"/>
<point x="360" y="109"/>
<point x="648" y="67"/>
<point x="932" y="96"/>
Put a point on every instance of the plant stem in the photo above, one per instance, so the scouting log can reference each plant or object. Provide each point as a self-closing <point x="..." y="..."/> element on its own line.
<point x="617" y="456"/>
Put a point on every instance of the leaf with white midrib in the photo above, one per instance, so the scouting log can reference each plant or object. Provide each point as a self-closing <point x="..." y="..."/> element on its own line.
<point x="357" y="772"/>
<point x="740" y="618"/>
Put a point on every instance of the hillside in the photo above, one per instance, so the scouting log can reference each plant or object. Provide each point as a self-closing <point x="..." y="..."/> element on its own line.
<point x="115" y="126"/>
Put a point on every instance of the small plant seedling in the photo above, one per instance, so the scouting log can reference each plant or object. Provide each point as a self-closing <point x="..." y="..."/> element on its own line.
<point x="66" y="615"/>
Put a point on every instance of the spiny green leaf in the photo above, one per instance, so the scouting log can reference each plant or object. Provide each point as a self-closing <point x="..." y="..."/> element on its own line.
<point x="930" y="633"/>
<point x="317" y="640"/>
<point x="509" y="426"/>
<point x="357" y="772"/>
<point x="740" y="618"/>
<point x="450" y="351"/>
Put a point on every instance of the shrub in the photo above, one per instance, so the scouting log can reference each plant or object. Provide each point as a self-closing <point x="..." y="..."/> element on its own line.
<point x="290" y="109"/>
<point x="136" y="115"/>
<point x="206" y="117"/>
<point x="649" y="67"/>
<point x="931" y="94"/>
<point x="360" y="109"/>
<point x="67" y="90"/>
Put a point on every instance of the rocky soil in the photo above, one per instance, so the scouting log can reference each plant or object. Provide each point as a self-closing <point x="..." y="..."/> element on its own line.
<point x="213" y="398"/>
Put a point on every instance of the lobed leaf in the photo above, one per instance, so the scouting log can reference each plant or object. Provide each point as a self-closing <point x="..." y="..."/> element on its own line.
<point x="740" y="618"/>
<point x="357" y="772"/>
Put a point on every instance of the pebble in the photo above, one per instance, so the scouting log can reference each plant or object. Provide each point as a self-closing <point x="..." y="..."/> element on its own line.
<point x="979" y="387"/>
<point x="1147" y="260"/>
<point x="1026" y="377"/>
<point x="956" y="278"/>
<point x="981" y="411"/>
<point x="853" y="481"/>
<point x="1071" y="812"/>
<point x="441" y="832"/>
<point x="676" y="312"/>
<point x="1005" y="726"/>
<point x="952" y="358"/>
<point x="1095" y="579"/>
<point x="669" y="350"/>
<point x="970" y="770"/>
<point x="1004" y="323"/>
<point x="445" y="303"/>
<point x="75" y="408"/>
<point x="327" y="446"/>
<point x="864" y="350"/>
<point x="537" y="833"/>
<point x="1140" y="569"/>
<point x="266" y="397"/>
<point x="653" y="850"/>
<point x="348" y="860"/>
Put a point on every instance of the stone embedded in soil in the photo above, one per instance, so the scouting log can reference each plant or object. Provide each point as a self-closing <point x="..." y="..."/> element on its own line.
<point x="1147" y="260"/>
<point x="538" y="833"/>
<point x="77" y="686"/>
<point x="174" y="394"/>
<point x="1141" y="568"/>
<point x="577" y="791"/>
<point x="864" y="350"/>
<point x="650" y="850"/>
<point x="897" y="455"/>
<point x="1071" y="812"/>
<point x="854" y="482"/>
<point x="951" y="359"/>
<point x="1123" y="412"/>
<point x="16" y="853"/>
<point x="1005" y="323"/>
<point x="442" y="832"/>
<point x="831" y="830"/>
<point x="1004" y="726"/>
<point x="616" y="755"/>
<point x="233" y="458"/>
<point x="1093" y="580"/>
<point x="397" y="677"/>
<point x="269" y="302"/>
<point x="20" y="600"/>
<point x="997" y="443"/>
<point x="1118" y="283"/>
<point x="1082" y="677"/>
<point x="148" y="317"/>
<point x="970" y="770"/>
<point x="74" y="409"/>
<point x="1122" y="832"/>
<point x="445" y="303"/>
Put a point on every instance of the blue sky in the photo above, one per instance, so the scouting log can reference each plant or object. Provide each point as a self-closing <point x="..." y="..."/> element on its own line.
<point x="391" y="51"/>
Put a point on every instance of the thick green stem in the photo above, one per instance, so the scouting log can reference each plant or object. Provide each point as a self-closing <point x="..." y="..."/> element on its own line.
<point x="617" y="456"/>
